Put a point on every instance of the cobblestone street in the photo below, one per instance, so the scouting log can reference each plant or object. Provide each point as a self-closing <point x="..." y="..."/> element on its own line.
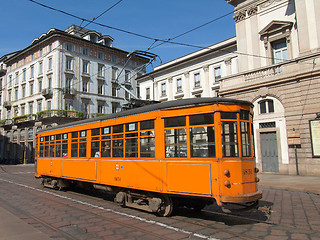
<point x="76" y="214"/>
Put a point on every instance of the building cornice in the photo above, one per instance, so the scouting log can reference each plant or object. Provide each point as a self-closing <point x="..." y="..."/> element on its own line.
<point x="56" y="33"/>
<point x="218" y="47"/>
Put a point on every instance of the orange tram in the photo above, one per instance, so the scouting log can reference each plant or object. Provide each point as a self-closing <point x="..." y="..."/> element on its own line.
<point x="188" y="152"/>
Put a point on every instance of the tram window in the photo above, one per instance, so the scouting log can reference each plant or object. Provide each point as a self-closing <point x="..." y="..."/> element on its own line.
<point x="130" y="127"/>
<point x="46" y="150"/>
<point x="174" y="122"/>
<point x="201" y="119"/>
<point x="245" y="139"/>
<point x="58" y="137"/>
<point x="244" y="115"/>
<point x="106" y="148"/>
<point x="65" y="136"/>
<point x="58" y="149"/>
<point x="74" y="135"/>
<point x="176" y="143"/>
<point x="229" y="139"/>
<point x="41" y="139"/>
<point x="147" y="147"/>
<point x="148" y="124"/>
<point x="41" y="150"/>
<point x="83" y="133"/>
<point x="202" y="142"/>
<point x="46" y="138"/>
<point x="52" y="150"/>
<point x="83" y="149"/>
<point x="65" y="148"/>
<point x="131" y="147"/>
<point x="117" y="148"/>
<point x="95" y="151"/>
<point x="106" y="130"/>
<point x="52" y="138"/>
<point x="74" y="150"/>
<point x="118" y="129"/>
<point x="228" y="115"/>
<point x="95" y="132"/>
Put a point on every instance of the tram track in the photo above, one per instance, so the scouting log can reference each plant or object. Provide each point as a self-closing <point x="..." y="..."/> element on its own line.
<point x="185" y="216"/>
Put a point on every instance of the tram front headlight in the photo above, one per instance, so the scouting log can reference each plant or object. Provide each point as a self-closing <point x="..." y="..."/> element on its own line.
<point x="227" y="183"/>
<point x="226" y="172"/>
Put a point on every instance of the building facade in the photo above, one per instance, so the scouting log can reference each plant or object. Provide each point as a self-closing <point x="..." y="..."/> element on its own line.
<point x="275" y="64"/>
<point x="62" y="76"/>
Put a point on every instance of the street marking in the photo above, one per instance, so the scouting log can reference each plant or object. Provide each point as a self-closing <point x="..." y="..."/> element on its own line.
<point x="116" y="212"/>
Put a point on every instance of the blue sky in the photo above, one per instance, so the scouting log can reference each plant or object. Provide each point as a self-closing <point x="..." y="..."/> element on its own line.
<point x="23" y="20"/>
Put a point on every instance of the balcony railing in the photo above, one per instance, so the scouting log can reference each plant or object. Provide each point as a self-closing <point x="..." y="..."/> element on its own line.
<point x="7" y="104"/>
<point x="24" y="118"/>
<point x="269" y="75"/>
<point x="60" y="113"/>
<point x="5" y="122"/>
<point x="47" y="92"/>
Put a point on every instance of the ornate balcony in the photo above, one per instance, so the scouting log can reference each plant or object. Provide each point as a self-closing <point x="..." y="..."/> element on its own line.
<point x="7" y="104"/>
<point x="57" y="113"/>
<point x="69" y="92"/>
<point x="47" y="93"/>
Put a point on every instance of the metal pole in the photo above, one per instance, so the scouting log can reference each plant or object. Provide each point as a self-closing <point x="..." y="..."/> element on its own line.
<point x="296" y="155"/>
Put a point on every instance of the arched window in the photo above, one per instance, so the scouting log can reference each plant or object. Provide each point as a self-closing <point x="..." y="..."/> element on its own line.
<point x="15" y="135"/>
<point x="30" y="133"/>
<point x="266" y="106"/>
<point x="22" y="135"/>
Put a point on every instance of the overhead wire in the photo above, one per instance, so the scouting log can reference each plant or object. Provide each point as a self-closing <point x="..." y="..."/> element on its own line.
<point x="107" y="10"/>
<point x="157" y="39"/>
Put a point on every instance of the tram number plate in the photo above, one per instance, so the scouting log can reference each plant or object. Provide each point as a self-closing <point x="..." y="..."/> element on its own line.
<point x="247" y="171"/>
<point x="117" y="179"/>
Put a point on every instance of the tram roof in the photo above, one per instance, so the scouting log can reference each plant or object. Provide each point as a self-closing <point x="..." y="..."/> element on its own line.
<point x="187" y="102"/>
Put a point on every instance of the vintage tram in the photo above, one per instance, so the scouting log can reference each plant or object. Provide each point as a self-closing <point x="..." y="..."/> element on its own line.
<point x="188" y="152"/>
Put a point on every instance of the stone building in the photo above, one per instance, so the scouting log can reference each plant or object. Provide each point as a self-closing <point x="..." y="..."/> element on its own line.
<point x="274" y="62"/>
<point x="62" y="76"/>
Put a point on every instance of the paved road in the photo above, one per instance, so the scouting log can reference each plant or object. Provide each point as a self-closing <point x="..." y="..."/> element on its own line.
<point x="46" y="213"/>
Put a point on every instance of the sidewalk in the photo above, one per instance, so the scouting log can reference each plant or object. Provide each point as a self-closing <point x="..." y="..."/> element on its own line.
<point x="13" y="228"/>
<point x="309" y="184"/>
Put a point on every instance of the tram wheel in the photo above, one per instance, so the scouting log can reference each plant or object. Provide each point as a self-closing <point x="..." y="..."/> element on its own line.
<point x="166" y="208"/>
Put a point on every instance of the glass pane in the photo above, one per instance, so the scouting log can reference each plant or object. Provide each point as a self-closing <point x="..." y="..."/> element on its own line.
<point x="95" y="132"/>
<point x="176" y="143"/>
<point x="64" y="150"/>
<point x="131" y="127"/>
<point x="263" y="108"/>
<point x="95" y="150"/>
<point x="229" y="139"/>
<point x="117" y="148"/>
<point x="74" y="134"/>
<point x="202" y="142"/>
<point x="147" y="147"/>
<point x="175" y="122"/>
<point x="245" y="139"/>
<point x="270" y="106"/>
<point x="74" y="150"/>
<point x="228" y="115"/>
<point x="202" y="119"/>
<point x="82" y="149"/>
<point x="58" y="150"/>
<point x="105" y="148"/>
<point x="118" y="128"/>
<point x="149" y="124"/>
<point x="132" y="147"/>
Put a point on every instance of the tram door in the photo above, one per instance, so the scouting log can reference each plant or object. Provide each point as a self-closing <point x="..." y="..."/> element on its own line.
<point x="269" y="152"/>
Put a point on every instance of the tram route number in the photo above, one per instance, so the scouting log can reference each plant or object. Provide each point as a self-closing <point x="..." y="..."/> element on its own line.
<point x="117" y="179"/>
<point x="247" y="171"/>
